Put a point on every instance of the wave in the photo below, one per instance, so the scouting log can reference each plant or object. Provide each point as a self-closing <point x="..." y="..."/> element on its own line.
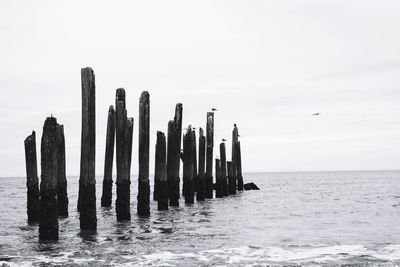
<point x="349" y="255"/>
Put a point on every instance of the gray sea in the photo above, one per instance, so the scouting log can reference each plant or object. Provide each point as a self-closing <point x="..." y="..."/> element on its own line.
<point x="297" y="218"/>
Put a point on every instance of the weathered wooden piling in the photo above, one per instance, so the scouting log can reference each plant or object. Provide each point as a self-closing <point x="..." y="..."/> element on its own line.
<point x="194" y="161"/>
<point x="32" y="181"/>
<point x="235" y="137"/>
<point x="218" y="182"/>
<point x="223" y="178"/>
<point x="87" y="179"/>
<point x="188" y="144"/>
<point x="122" y="203"/>
<point x="231" y="179"/>
<point x="238" y="163"/>
<point x="173" y="183"/>
<point x="160" y="174"/>
<point x="106" y="198"/>
<point x="200" y="194"/>
<point x="209" y="155"/>
<point x="174" y="156"/>
<point x="143" y="197"/>
<point x="48" y="218"/>
<point x="62" y="195"/>
<point x="129" y="138"/>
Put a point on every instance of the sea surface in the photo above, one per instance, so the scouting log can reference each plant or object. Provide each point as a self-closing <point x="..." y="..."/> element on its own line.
<point x="297" y="218"/>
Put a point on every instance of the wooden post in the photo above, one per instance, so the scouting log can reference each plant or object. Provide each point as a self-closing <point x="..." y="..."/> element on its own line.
<point x="143" y="197"/>
<point x="200" y="194"/>
<point x="122" y="203"/>
<point x="188" y="141"/>
<point x="129" y="138"/>
<point x="48" y="220"/>
<point x="194" y="161"/>
<point x="235" y="139"/>
<point x="224" y="180"/>
<point x="231" y="179"/>
<point x="62" y="195"/>
<point x="238" y="159"/>
<point x="209" y="155"/>
<point x="173" y="183"/>
<point x="106" y="198"/>
<point x="87" y="179"/>
<point x="32" y="181"/>
<point x="218" y="183"/>
<point x="174" y="155"/>
<point x="160" y="174"/>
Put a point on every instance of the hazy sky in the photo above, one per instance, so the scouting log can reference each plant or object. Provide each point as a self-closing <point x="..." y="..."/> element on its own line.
<point x="266" y="65"/>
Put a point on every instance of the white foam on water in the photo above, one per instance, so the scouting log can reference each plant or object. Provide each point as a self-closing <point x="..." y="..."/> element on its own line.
<point x="276" y="255"/>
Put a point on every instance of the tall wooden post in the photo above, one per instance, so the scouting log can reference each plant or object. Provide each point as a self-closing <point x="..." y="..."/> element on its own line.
<point x="218" y="182"/>
<point x="174" y="155"/>
<point x="235" y="139"/>
<point x="160" y="174"/>
<point x="106" y="197"/>
<point x="209" y="155"/>
<point x="129" y="138"/>
<point x="143" y="197"/>
<point x="87" y="180"/>
<point x="122" y="203"/>
<point x="62" y="195"/>
<point x="173" y="183"/>
<point x="194" y="161"/>
<point x="238" y="159"/>
<point x="188" y="143"/>
<point x="200" y="194"/>
<point x="32" y="181"/>
<point x="48" y="220"/>
<point x="231" y="179"/>
<point x="224" y="180"/>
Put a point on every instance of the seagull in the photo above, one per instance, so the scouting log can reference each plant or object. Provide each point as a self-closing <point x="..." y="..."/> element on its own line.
<point x="223" y="140"/>
<point x="214" y="109"/>
<point x="315" y="114"/>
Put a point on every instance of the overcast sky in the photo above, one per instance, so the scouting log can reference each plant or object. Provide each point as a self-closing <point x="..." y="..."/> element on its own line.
<point x="266" y="65"/>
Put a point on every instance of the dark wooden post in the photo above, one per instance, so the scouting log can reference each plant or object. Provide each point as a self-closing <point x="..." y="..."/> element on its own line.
<point x="106" y="198"/>
<point x="143" y="197"/>
<point x="160" y="174"/>
<point x="48" y="220"/>
<point x="231" y="179"/>
<point x="87" y="179"/>
<point x="173" y="184"/>
<point x="174" y="155"/>
<point x="209" y="155"/>
<point x="200" y="194"/>
<point x="32" y="181"/>
<point x="62" y="195"/>
<point x="122" y="203"/>
<point x="194" y="161"/>
<point x="188" y="141"/>
<point x="235" y="139"/>
<point x="129" y="138"/>
<point x="218" y="183"/>
<point x="224" y="180"/>
<point x="238" y="159"/>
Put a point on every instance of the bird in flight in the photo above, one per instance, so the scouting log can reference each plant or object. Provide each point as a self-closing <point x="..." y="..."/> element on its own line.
<point x="223" y="139"/>
<point x="214" y="109"/>
<point x="315" y="114"/>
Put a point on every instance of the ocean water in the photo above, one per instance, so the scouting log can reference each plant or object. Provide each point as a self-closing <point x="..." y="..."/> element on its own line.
<point x="307" y="219"/>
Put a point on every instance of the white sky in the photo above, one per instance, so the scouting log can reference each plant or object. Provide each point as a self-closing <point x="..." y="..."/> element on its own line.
<point x="266" y="65"/>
